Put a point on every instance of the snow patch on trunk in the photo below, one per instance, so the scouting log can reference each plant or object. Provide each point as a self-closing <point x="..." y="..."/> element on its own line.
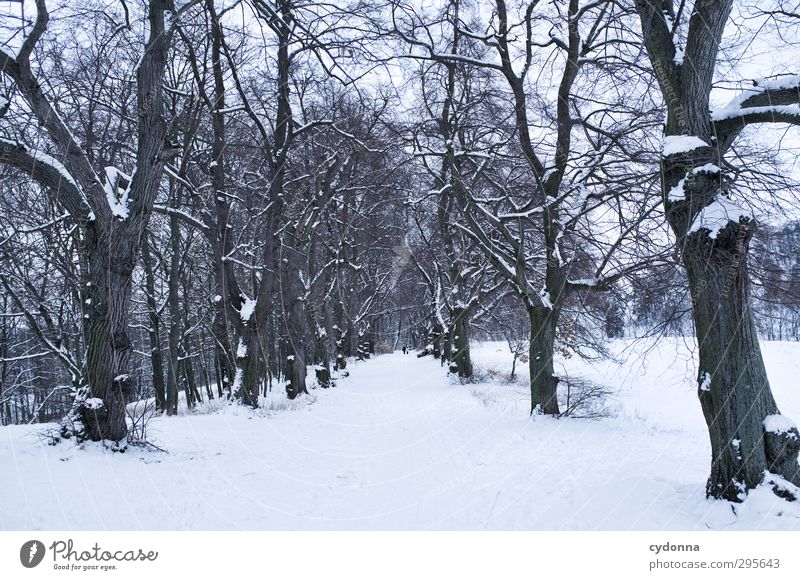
<point x="674" y="144"/>
<point x="718" y="214"/>
<point x="241" y="350"/>
<point x="117" y="196"/>
<point x="248" y="307"/>
<point x="94" y="403"/>
<point x="677" y="193"/>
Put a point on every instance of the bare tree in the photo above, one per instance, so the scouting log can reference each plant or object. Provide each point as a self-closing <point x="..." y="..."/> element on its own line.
<point x="529" y="218"/>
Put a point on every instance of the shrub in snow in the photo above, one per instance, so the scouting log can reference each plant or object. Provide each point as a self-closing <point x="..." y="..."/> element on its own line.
<point x="583" y="399"/>
<point x="139" y="416"/>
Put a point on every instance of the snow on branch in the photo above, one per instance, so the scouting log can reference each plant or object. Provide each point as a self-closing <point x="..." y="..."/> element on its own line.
<point x="780" y="91"/>
<point x="774" y="101"/>
<point x="186" y="217"/>
<point x="48" y="172"/>
<point x="117" y="187"/>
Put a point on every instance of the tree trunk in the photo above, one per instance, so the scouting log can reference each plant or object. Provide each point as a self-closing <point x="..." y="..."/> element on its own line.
<point x="173" y="368"/>
<point x="248" y="366"/>
<point x="108" y="350"/>
<point x="222" y="357"/>
<point x="513" y="367"/>
<point x="5" y="410"/>
<point x="113" y="241"/>
<point x="190" y="381"/>
<point x="339" y="344"/>
<point x="295" y="376"/>
<point x="544" y="383"/>
<point x="154" y="322"/>
<point x="733" y="386"/>
<point x="293" y="293"/>
<point x="460" y="336"/>
<point x="322" y="367"/>
<point x="748" y="436"/>
<point x="204" y="373"/>
<point x="437" y="337"/>
<point x="222" y="245"/>
<point x="447" y="343"/>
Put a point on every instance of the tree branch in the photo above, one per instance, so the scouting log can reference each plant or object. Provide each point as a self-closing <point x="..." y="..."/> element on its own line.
<point x="48" y="173"/>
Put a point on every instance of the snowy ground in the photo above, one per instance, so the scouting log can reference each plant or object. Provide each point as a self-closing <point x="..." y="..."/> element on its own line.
<point x="398" y="445"/>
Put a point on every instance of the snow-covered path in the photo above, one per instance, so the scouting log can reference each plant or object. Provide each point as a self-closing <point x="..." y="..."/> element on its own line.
<point x="397" y="445"/>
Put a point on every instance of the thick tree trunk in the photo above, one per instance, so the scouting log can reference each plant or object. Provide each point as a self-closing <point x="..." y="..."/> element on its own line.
<point x="437" y="338"/>
<point x="372" y="333"/>
<point x="544" y="383"/>
<point x="733" y="386"/>
<point x="295" y="376"/>
<point x="349" y="346"/>
<point x="361" y="350"/>
<point x="462" y="361"/>
<point x="748" y="435"/>
<point x="108" y="350"/>
<point x="113" y="241"/>
<point x="273" y="359"/>
<point x="447" y="343"/>
<point x="248" y="366"/>
<point x="222" y="243"/>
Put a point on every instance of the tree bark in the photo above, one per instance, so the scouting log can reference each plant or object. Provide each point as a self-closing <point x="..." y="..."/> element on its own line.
<point x="248" y="366"/>
<point x="173" y="370"/>
<point x="108" y="348"/>
<point x="460" y="339"/>
<point x="544" y="383"/>
<point x="224" y="275"/>
<point x="293" y="291"/>
<point x="733" y="387"/>
<point x="322" y="366"/>
<point x="154" y="323"/>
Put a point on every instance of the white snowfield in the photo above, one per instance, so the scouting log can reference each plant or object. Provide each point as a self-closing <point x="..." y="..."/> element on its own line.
<point x="399" y="445"/>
